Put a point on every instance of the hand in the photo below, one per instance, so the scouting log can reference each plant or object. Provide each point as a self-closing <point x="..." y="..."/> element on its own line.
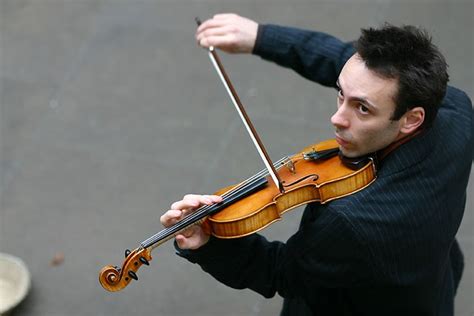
<point x="229" y="32"/>
<point x="194" y="236"/>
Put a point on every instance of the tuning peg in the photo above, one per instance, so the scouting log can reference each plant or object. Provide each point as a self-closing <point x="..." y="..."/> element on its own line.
<point x="127" y="252"/>
<point x="144" y="261"/>
<point x="133" y="275"/>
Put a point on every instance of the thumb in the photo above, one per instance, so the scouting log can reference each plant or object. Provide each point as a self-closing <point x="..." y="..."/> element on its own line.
<point x="182" y="242"/>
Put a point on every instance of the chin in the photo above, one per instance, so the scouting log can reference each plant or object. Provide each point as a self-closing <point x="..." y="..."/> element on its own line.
<point x="347" y="153"/>
<point x="351" y="153"/>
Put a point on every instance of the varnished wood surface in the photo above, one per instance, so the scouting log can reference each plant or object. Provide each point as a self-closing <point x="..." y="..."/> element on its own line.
<point x="310" y="181"/>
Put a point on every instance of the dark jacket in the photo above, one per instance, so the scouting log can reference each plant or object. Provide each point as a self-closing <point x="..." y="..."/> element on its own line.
<point x="389" y="249"/>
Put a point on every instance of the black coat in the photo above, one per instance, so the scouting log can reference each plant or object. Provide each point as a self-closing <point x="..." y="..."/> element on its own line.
<point x="389" y="249"/>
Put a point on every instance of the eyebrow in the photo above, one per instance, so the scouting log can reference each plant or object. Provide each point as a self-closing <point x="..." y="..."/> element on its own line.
<point x="359" y="99"/>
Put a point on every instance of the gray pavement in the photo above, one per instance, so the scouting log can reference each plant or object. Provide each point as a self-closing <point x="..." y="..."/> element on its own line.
<point x="109" y="112"/>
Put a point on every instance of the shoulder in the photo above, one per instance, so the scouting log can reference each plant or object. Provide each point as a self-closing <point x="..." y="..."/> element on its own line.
<point x="456" y="102"/>
<point x="454" y="94"/>
<point x="453" y="127"/>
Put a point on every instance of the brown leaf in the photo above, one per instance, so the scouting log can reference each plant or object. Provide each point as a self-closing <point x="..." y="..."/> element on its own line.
<point x="58" y="259"/>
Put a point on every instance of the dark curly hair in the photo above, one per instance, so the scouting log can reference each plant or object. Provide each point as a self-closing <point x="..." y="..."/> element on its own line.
<point x="407" y="54"/>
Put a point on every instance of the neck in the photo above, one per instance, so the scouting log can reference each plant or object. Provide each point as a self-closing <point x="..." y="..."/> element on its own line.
<point x="397" y="143"/>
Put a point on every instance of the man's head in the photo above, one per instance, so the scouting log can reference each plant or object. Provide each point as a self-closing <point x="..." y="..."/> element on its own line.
<point x="390" y="88"/>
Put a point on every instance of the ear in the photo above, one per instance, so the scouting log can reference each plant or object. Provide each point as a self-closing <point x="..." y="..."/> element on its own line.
<point x="412" y="120"/>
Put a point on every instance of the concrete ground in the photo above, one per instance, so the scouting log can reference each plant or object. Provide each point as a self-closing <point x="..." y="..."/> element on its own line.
<point x="110" y="112"/>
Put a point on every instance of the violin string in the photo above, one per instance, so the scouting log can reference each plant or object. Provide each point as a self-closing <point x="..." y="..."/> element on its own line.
<point x="246" y="182"/>
<point x="231" y="192"/>
<point x="188" y="220"/>
<point x="195" y="219"/>
<point x="201" y="212"/>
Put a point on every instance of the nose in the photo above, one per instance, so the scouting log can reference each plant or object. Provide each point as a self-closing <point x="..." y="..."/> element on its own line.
<point x="340" y="118"/>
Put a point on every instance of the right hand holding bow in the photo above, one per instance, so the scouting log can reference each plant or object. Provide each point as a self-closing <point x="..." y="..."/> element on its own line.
<point x="228" y="32"/>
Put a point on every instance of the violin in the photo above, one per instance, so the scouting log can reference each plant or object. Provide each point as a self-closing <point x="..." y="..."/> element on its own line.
<point x="319" y="173"/>
<point x="255" y="203"/>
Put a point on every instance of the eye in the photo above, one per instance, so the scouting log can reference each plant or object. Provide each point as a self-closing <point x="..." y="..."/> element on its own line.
<point x="363" y="109"/>
<point x="340" y="95"/>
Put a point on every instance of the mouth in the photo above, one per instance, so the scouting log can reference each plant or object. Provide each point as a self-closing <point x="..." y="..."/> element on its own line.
<point x="341" y="141"/>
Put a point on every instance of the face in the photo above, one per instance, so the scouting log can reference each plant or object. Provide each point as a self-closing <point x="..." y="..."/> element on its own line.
<point x="365" y="104"/>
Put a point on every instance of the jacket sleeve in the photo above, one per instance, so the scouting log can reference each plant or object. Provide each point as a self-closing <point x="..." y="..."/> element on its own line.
<point x="316" y="56"/>
<point x="326" y="252"/>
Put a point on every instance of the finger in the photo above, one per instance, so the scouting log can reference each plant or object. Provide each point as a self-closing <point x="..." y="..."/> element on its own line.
<point x="226" y="43"/>
<point x="190" y="231"/>
<point x="193" y="242"/>
<point x="210" y="24"/>
<point x="191" y="202"/>
<point x="185" y="242"/>
<point x="171" y="217"/>
<point x="216" y="31"/>
<point x="187" y="202"/>
<point x="200" y="199"/>
<point x="181" y="241"/>
<point x="213" y="198"/>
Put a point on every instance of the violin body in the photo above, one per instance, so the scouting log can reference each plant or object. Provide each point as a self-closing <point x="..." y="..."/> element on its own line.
<point x="304" y="181"/>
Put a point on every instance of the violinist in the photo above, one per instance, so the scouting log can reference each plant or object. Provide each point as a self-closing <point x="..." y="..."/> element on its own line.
<point x="389" y="249"/>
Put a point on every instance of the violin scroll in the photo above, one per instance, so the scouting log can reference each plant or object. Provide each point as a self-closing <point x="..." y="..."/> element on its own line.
<point x="114" y="279"/>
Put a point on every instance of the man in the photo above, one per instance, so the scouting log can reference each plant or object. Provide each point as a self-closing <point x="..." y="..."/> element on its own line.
<point x="389" y="249"/>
